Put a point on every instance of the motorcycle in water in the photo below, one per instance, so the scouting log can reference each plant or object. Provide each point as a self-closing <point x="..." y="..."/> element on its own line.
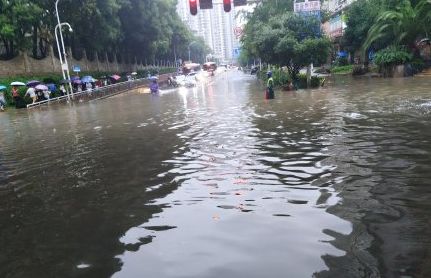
<point x="172" y="82"/>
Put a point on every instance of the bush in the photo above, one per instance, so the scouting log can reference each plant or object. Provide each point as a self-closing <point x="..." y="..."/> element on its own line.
<point x="392" y="56"/>
<point x="280" y="76"/>
<point x="342" y="69"/>
<point x="315" y="81"/>
<point x="418" y="65"/>
<point x="341" y="61"/>
<point x="359" y="70"/>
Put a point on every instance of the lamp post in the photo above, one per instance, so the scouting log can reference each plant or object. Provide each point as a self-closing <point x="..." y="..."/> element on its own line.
<point x="59" y="53"/>
<point x="65" y="65"/>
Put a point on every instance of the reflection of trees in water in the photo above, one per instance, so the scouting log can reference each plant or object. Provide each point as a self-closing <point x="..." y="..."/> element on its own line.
<point x="74" y="200"/>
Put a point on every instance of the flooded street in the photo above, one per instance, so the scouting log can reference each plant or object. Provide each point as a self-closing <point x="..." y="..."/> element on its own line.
<point x="215" y="181"/>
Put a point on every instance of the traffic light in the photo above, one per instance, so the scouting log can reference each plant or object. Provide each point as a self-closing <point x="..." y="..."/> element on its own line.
<point x="227" y="6"/>
<point x="205" y="4"/>
<point x="193" y="7"/>
<point x="239" y="2"/>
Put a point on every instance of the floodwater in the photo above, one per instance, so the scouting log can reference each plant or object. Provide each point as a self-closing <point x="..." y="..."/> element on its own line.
<point x="215" y="181"/>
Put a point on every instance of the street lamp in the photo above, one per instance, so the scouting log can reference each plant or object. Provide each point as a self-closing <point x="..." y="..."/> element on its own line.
<point x="59" y="52"/>
<point x="65" y="65"/>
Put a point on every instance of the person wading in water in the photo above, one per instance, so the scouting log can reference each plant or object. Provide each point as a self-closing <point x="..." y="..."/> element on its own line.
<point x="269" y="94"/>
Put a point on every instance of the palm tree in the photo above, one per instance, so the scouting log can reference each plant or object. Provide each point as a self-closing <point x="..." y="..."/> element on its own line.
<point x="403" y="25"/>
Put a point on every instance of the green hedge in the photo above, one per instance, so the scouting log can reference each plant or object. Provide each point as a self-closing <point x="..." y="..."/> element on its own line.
<point x="342" y="69"/>
<point x="392" y="55"/>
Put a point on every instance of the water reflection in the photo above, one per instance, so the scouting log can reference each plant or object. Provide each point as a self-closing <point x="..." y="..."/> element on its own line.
<point x="214" y="181"/>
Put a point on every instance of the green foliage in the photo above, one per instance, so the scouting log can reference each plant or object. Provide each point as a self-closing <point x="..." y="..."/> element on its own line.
<point x="359" y="70"/>
<point x="360" y="16"/>
<point x="342" y="69"/>
<point x="315" y="81"/>
<point x="281" y="77"/>
<point x="401" y="24"/>
<point x="392" y="56"/>
<point x="418" y="65"/>
<point x="282" y="38"/>
<point x="146" y="29"/>
<point x="341" y="61"/>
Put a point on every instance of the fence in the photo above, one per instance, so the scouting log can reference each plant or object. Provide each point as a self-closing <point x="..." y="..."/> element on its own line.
<point x="97" y="93"/>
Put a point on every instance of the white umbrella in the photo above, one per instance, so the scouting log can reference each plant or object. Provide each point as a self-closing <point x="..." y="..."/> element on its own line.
<point x="17" y="83"/>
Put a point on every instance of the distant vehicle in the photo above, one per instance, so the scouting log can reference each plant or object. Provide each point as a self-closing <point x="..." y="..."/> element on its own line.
<point x="254" y="70"/>
<point x="209" y="66"/>
<point x="187" y="68"/>
<point x="188" y="80"/>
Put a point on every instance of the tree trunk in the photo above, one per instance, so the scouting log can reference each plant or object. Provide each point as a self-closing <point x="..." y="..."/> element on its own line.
<point x="35" y="42"/>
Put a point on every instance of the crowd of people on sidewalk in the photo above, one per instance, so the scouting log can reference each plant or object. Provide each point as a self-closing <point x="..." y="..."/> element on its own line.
<point x="35" y="91"/>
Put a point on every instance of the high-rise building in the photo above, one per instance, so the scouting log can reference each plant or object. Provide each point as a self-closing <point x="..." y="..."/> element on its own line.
<point x="215" y="26"/>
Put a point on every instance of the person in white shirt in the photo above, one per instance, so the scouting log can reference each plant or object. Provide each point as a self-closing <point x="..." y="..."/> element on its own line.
<point x="32" y="94"/>
<point x="46" y="94"/>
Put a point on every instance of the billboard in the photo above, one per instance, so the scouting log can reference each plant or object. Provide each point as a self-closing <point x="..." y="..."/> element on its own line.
<point x="306" y="6"/>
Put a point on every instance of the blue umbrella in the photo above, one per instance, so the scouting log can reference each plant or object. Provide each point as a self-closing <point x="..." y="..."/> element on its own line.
<point x="73" y="78"/>
<point x="51" y="87"/>
<point x="2" y="87"/>
<point x="87" y="79"/>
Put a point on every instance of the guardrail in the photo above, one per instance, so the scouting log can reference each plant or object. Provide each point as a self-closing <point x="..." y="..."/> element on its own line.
<point x="96" y="93"/>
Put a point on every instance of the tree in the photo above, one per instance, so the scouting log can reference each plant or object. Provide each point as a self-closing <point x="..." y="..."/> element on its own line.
<point x="287" y="40"/>
<point x="146" y="29"/>
<point x="402" y="25"/>
<point x="360" y="16"/>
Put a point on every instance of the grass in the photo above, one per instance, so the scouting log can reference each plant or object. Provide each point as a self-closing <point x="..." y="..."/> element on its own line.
<point x="342" y="69"/>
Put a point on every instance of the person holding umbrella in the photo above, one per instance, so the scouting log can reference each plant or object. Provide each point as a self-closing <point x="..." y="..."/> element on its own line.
<point x="15" y="94"/>
<point x="31" y="92"/>
<point x="2" y="98"/>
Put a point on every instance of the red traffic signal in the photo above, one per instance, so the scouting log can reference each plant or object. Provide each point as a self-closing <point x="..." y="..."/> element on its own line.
<point x="227" y="5"/>
<point x="193" y="7"/>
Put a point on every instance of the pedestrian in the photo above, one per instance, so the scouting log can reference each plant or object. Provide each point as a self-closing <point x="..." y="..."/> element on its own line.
<point x="39" y="95"/>
<point x="32" y="94"/>
<point x="154" y="87"/>
<point x="62" y="90"/>
<point x="16" y="97"/>
<point x="46" y="94"/>
<point x="2" y="100"/>
<point x="269" y="94"/>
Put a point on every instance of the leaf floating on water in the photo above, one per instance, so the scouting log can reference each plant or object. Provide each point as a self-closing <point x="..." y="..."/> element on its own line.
<point x="246" y="210"/>
<point x="297" y="202"/>
<point x="160" y="228"/>
<point x="227" y="207"/>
